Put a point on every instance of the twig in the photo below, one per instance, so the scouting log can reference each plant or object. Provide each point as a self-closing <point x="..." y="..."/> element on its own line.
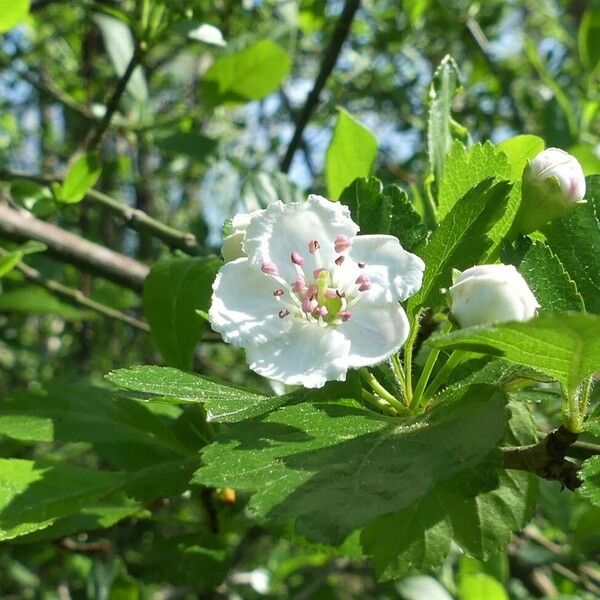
<point x="303" y="144"/>
<point x="95" y="136"/>
<point x="73" y="249"/>
<point x="546" y="458"/>
<point x="133" y="217"/>
<point x="76" y="296"/>
<point x="330" y="57"/>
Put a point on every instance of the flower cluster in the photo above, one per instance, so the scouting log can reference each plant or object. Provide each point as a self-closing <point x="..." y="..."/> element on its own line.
<point x="312" y="299"/>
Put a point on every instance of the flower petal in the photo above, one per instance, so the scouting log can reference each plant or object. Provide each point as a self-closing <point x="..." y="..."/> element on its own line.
<point x="282" y="229"/>
<point x="243" y="309"/>
<point x="309" y="355"/>
<point x="395" y="273"/>
<point x="375" y="332"/>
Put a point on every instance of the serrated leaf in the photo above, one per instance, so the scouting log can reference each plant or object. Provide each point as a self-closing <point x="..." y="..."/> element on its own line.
<point x="575" y="240"/>
<point x="223" y="402"/>
<point x="565" y="346"/>
<point x="383" y="211"/>
<point x="465" y="168"/>
<point x="344" y="160"/>
<point x="81" y="176"/>
<point x="548" y="280"/>
<point x="481" y="521"/>
<point x="590" y="475"/>
<point x="461" y="239"/>
<point x="12" y="12"/>
<point x="445" y="84"/>
<point x="519" y="150"/>
<point x="173" y="291"/>
<point x="335" y="467"/>
<point x="234" y="78"/>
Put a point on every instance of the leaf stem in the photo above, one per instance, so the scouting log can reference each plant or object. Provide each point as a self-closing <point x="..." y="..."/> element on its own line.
<point x="428" y="367"/>
<point x="376" y="386"/>
<point x="398" y="373"/>
<point x="442" y="375"/>
<point x="408" y="352"/>
<point x="378" y="403"/>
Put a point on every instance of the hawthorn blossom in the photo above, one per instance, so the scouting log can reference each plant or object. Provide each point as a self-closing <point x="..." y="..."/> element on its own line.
<point x="554" y="162"/>
<point x="311" y="299"/>
<point x="488" y="294"/>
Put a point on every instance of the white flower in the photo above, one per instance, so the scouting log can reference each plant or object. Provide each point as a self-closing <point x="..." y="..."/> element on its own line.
<point x="554" y="162"/>
<point x="312" y="300"/>
<point x="233" y="244"/>
<point x="491" y="294"/>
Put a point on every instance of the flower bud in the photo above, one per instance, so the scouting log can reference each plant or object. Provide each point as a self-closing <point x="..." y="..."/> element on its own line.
<point x="553" y="183"/>
<point x="491" y="294"/>
<point x="233" y="244"/>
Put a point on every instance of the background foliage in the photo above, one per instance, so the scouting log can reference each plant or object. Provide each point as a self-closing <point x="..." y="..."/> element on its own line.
<point x="202" y="129"/>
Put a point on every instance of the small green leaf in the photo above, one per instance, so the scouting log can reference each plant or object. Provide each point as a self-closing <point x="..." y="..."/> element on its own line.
<point x="37" y="300"/>
<point x="565" y="346"/>
<point x="383" y="211"/>
<point x="445" y="85"/>
<point x="249" y="74"/>
<point x="222" y="402"/>
<point x="81" y="176"/>
<point x="188" y="143"/>
<point x="590" y="474"/>
<point x="549" y="281"/>
<point x="575" y="240"/>
<point x="335" y="467"/>
<point x="479" y="585"/>
<point x="461" y="239"/>
<point x="12" y="12"/>
<point x="519" y="150"/>
<point x="351" y="154"/>
<point x="589" y="39"/>
<point x="33" y="197"/>
<point x="173" y="291"/>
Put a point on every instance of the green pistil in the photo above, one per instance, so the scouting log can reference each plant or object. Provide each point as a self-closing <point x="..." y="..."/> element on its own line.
<point x="333" y="305"/>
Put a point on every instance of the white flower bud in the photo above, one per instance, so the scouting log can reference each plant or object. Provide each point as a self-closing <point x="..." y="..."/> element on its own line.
<point x="554" y="162"/>
<point x="233" y="243"/>
<point x="491" y="294"/>
<point x="553" y="183"/>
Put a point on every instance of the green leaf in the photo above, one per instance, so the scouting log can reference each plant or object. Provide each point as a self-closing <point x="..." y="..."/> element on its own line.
<point x="419" y="587"/>
<point x="565" y="346"/>
<point x="479" y="585"/>
<point x="387" y="211"/>
<point x="461" y="239"/>
<point x="119" y="43"/>
<point x="12" y="12"/>
<point x="188" y="143"/>
<point x="223" y="402"/>
<point x="445" y="85"/>
<point x="575" y="240"/>
<point x="588" y="158"/>
<point x="33" y="492"/>
<point x="590" y="475"/>
<point x="33" y="197"/>
<point x="351" y="154"/>
<point x="249" y="74"/>
<point x="548" y="280"/>
<point x="480" y="519"/>
<point x="81" y="176"/>
<point x="123" y="432"/>
<point x="589" y="39"/>
<point x="335" y="467"/>
<point x="173" y="291"/>
<point x="261" y="188"/>
<point x="37" y="300"/>
<point x="465" y="168"/>
<point x="519" y="150"/>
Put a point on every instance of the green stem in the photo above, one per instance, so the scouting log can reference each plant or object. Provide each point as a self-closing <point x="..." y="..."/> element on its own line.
<point x="408" y="352"/>
<point x="428" y="367"/>
<point x="577" y="408"/>
<point x="376" y="386"/>
<point x="442" y="375"/>
<point x="398" y="373"/>
<point x="378" y="403"/>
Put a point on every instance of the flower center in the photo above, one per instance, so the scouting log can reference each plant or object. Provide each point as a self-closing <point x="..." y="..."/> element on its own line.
<point x="323" y="298"/>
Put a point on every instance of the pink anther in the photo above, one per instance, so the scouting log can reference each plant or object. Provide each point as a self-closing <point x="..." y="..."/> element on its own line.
<point x="278" y="293"/>
<point x="345" y="315"/>
<point x="342" y="243"/>
<point x="296" y="258"/>
<point x="299" y="284"/>
<point x="269" y="268"/>
<point x="284" y="312"/>
<point x="313" y="246"/>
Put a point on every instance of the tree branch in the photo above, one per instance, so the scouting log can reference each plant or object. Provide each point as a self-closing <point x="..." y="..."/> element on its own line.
<point x="95" y="136"/>
<point x="73" y="249"/>
<point x="133" y="217"/>
<point x="76" y="296"/>
<point x="547" y="458"/>
<point x="332" y="52"/>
